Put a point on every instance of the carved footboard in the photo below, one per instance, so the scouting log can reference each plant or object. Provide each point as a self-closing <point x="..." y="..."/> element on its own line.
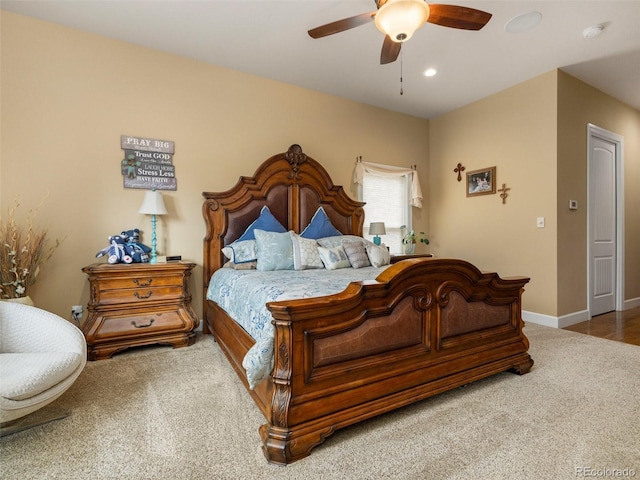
<point x="424" y="327"/>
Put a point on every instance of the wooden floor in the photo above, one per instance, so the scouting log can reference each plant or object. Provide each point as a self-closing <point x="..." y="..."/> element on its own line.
<point x="618" y="326"/>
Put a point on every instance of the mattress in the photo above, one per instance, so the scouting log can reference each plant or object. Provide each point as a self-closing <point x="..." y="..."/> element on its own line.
<point x="243" y="295"/>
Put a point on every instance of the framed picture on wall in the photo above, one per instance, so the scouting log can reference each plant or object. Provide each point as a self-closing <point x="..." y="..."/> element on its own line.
<point x="481" y="182"/>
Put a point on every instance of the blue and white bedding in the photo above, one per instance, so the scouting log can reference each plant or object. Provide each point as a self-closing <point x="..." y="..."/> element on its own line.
<point x="243" y="294"/>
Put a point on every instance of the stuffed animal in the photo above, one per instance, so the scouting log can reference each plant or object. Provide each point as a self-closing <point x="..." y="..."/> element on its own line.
<point x="116" y="251"/>
<point x="138" y="251"/>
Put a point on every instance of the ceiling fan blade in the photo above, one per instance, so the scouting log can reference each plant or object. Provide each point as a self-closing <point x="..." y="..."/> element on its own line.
<point x="390" y="51"/>
<point x="341" y="25"/>
<point x="457" y="17"/>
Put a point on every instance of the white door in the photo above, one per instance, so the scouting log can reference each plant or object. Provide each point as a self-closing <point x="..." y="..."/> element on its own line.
<point x="602" y="226"/>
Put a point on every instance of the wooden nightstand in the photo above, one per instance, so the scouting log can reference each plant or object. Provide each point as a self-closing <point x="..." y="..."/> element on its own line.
<point x="138" y="304"/>
<point x="399" y="257"/>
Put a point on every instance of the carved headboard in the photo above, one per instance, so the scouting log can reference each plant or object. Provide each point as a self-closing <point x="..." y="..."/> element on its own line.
<point x="293" y="186"/>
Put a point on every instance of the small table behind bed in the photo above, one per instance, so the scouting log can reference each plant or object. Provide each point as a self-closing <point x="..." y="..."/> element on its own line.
<point x="425" y="326"/>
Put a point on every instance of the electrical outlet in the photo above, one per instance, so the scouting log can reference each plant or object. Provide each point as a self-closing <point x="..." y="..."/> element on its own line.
<point x="76" y="312"/>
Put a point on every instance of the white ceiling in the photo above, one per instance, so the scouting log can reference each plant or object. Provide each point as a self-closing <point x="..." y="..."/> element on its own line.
<point x="269" y="39"/>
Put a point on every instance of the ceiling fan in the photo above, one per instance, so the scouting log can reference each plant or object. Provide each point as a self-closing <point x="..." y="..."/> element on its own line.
<point x="399" y="19"/>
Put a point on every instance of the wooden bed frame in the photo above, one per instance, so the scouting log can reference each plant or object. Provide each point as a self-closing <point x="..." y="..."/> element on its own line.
<point x="423" y="327"/>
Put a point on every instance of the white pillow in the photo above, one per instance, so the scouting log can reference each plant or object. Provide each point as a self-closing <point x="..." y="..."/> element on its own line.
<point x="378" y="255"/>
<point x="334" y="258"/>
<point x="228" y="252"/>
<point x="305" y="253"/>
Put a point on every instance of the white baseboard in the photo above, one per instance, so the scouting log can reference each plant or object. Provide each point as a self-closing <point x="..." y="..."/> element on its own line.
<point x="573" y="318"/>
<point x="555" y="322"/>
<point x="570" y="319"/>
<point x="540" y="319"/>
<point x="632" y="303"/>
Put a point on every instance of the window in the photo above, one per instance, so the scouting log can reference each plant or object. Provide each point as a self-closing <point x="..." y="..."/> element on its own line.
<point x="387" y="200"/>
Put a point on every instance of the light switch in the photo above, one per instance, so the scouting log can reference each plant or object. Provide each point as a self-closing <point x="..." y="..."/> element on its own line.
<point x="573" y="204"/>
<point x="540" y="222"/>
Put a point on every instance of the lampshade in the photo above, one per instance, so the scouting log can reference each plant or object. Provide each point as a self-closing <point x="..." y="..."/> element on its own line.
<point x="401" y="18"/>
<point x="153" y="203"/>
<point x="377" y="228"/>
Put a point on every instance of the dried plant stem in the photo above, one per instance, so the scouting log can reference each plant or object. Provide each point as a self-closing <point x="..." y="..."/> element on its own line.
<point x="22" y="251"/>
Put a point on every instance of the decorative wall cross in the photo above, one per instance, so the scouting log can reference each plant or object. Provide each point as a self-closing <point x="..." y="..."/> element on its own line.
<point x="459" y="169"/>
<point x="503" y="192"/>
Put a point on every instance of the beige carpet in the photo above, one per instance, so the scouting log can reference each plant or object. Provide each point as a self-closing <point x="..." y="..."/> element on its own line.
<point x="159" y="413"/>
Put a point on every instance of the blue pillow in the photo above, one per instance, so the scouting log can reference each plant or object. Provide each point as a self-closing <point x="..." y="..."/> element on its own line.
<point x="265" y="221"/>
<point x="320" y="226"/>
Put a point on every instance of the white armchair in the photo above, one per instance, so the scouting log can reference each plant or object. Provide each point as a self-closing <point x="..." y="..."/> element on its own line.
<point x="41" y="355"/>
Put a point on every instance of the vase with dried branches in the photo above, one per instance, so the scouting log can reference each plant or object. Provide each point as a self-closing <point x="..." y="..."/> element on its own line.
<point x="23" y="249"/>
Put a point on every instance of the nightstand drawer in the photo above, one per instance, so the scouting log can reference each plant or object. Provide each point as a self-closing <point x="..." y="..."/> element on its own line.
<point x="140" y="324"/>
<point x="140" y="281"/>
<point x="140" y="295"/>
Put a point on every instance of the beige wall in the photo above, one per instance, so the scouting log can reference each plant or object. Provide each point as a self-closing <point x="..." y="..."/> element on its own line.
<point x="578" y="105"/>
<point x="67" y="96"/>
<point x="515" y="131"/>
<point x="536" y="135"/>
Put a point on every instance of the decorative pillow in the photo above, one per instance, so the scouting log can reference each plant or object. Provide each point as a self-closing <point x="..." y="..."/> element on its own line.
<point x="275" y="250"/>
<point x="320" y="226"/>
<point x="242" y="251"/>
<point x="334" y="258"/>
<point x="357" y="254"/>
<point x="330" y="242"/>
<point x="305" y="253"/>
<point x="265" y="221"/>
<point x="378" y="255"/>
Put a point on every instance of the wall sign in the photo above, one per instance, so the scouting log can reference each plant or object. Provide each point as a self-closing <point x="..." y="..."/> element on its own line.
<point x="148" y="163"/>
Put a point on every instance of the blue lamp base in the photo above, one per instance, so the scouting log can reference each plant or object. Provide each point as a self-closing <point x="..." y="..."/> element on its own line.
<point x="376" y="240"/>
<point x="154" y="241"/>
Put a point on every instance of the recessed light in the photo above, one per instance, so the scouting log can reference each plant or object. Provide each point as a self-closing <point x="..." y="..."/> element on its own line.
<point x="592" y="31"/>
<point x="523" y="22"/>
<point x="430" y="72"/>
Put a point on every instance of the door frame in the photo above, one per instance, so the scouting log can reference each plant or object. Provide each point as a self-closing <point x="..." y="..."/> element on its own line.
<point x="594" y="131"/>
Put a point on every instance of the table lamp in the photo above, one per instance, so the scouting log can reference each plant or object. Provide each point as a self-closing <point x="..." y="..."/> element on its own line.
<point x="377" y="228"/>
<point x="153" y="205"/>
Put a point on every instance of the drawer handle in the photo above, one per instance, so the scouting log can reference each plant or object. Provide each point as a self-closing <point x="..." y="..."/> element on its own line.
<point x="142" y="297"/>
<point x="137" y="282"/>
<point x="133" y="322"/>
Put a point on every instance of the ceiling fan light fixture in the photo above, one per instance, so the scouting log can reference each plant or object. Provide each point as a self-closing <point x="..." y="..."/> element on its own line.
<point x="401" y="18"/>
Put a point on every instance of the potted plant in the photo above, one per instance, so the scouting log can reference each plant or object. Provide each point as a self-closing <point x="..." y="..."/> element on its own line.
<point x="409" y="239"/>
<point x="23" y="249"/>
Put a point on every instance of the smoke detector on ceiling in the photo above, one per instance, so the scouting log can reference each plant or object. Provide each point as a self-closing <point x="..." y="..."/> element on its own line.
<point x="592" y="31"/>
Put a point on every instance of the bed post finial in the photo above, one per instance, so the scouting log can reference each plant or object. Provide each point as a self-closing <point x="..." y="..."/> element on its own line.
<point x="295" y="157"/>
